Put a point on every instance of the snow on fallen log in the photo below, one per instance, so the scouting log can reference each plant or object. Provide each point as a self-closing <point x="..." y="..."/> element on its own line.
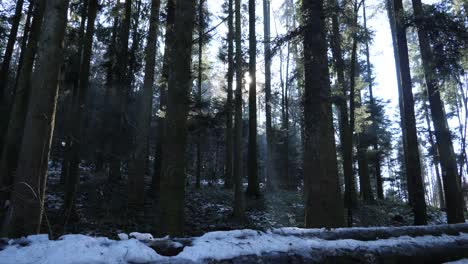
<point x="431" y="244"/>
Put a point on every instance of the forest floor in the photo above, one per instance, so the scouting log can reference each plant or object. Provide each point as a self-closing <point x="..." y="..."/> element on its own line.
<point x="102" y="210"/>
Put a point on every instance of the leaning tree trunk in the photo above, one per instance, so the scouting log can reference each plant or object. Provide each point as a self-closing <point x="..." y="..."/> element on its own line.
<point x="323" y="202"/>
<point x="412" y="161"/>
<point x="14" y="134"/>
<point x="137" y="179"/>
<point x="239" y="209"/>
<point x="25" y="214"/>
<point x="253" y="185"/>
<point x="179" y="83"/>
<point x="452" y="188"/>
<point x="228" y="180"/>
<point x="79" y="110"/>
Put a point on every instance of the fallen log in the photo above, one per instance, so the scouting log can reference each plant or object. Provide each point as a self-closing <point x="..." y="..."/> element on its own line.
<point x="422" y="244"/>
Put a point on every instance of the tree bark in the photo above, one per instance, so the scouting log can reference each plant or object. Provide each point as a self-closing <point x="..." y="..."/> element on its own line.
<point x="412" y="160"/>
<point x="452" y="188"/>
<point x="25" y="214"/>
<point x="253" y="184"/>
<point x="14" y="134"/>
<point x="137" y="180"/>
<point x="239" y="207"/>
<point x="173" y="174"/>
<point x="323" y="202"/>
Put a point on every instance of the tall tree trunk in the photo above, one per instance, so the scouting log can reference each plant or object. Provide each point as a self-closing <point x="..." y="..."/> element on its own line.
<point x="239" y="210"/>
<point x="74" y="80"/>
<point x="179" y="83"/>
<point x="435" y="158"/>
<point x="228" y="180"/>
<point x="170" y="19"/>
<point x="5" y="69"/>
<point x="25" y="214"/>
<point x="345" y="132"/>
<point x="14" y="134"/>
<point x="375" y="145"/>
<point x="137" y="180"/>
<point x="392" y="22"/>
<point x="199" y="92"/>
<point x="119" y="94"/>
<point x="453" y="194"/>
<point x="412" y="161"/>
<point x="79" y="110"/>
<point x="354" y="103"/>
<point x="323" y="202"/>
<point x="253" y="184"/>
<point x="270" y="173"/>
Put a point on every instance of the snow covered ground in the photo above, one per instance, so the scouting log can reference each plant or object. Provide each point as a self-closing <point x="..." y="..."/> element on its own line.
<point x="212" y="246"/>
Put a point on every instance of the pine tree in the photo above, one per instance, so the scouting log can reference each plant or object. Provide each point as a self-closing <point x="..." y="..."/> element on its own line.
<point x="179" y="83"/>
<point x="323" y="202"/>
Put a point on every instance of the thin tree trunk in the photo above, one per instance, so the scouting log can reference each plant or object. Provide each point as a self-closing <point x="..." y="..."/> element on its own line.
<point x="412" y="160"/>
<point x="453" y="194"/>
<point x="14" y="134"/>
<point x="179" y="83"/>
<point x="79" y="110"/>
<point x="25" y="213"/>
<point x="239" y="209"/>
<point x="228" y="180"/>
<point x="253" y="184"/>
<point x="323" y="201"/>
